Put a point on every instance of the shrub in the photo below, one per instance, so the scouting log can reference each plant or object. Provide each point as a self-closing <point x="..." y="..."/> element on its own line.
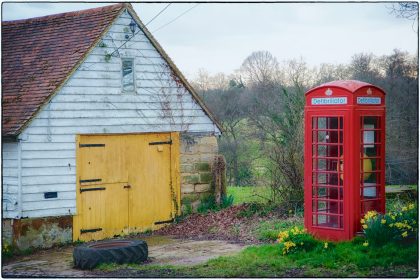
<point x="209" y="203"/>
<point x="396" y="226"/>
<point x="296" y="239"/>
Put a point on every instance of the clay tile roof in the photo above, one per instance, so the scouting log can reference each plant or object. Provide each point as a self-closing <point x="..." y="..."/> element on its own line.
<point x="38" y="54"/>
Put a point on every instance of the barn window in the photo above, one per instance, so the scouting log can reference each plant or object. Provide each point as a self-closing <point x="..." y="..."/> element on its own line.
<point x="128" y="75"/>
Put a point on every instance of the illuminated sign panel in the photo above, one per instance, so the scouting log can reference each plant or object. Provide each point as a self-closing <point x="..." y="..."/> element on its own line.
<point x="329" y="101"/>
<point x="369" y="100"/>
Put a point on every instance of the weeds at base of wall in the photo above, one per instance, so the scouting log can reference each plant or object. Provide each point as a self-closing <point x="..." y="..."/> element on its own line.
<point x="209" y="204"/>
<point x="8" y="251"/>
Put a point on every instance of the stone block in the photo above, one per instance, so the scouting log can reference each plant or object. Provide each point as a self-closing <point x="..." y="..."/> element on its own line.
<point x="189" y="149"/>
<point x="187" y="168"/>
<point x="206" y="157"/>
<point x="186" y="159"/>
<point x="208" y="141"/>
<point x="191" y="179"/>
<point x="187" y="188"/>
<point x="208" y="149"/>
<point x="206" y="177"/>
<point x="202" y="166"/>
<point x="199" y="188"/>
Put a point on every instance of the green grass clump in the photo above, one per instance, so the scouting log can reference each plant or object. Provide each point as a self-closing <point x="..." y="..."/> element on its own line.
<point x="269" y="230"/>
<point x="209" y="203"/>
<point x="249" y="194"/>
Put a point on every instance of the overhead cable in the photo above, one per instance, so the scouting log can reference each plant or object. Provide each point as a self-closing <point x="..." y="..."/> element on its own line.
<point x="176" y="18"/>
<point x="158" y="14"/>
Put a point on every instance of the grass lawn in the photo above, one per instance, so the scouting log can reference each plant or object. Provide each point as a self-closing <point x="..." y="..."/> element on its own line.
<point x="344" y="259"/>
<point x="248" y="194"/>
<point x="256" y="194"/>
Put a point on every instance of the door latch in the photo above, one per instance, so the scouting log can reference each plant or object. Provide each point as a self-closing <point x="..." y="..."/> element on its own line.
<point x="127" y="187"/>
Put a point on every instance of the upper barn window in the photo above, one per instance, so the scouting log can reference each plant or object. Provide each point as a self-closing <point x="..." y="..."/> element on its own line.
<point x="128" y="75"/>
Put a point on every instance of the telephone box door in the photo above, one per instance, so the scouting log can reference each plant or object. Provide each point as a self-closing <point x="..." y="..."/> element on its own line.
<point x="372" y="161"/>
<point x="327" y="194"/>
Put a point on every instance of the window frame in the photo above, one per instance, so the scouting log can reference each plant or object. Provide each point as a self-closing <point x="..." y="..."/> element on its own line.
<point x="123" y="59"/>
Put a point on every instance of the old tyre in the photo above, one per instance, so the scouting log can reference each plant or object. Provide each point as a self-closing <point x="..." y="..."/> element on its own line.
<point x="88" y="256"/>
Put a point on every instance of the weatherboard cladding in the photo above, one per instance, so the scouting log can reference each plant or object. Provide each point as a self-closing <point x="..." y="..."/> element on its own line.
<point x="10" y="179"/>
<point x="39" y="53"/>
<point x="91" y="101"/>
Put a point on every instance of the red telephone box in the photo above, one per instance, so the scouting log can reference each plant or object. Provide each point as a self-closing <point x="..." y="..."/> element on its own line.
<point x="344" y="157"/>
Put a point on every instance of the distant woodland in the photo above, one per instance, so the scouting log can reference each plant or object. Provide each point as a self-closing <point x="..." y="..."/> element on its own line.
<point x="261" y="109"/>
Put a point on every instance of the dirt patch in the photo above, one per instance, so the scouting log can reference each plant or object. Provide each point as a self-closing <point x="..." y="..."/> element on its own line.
<point x="191" y="252"/>
<point x="58" y="262"/>
<point x="228" y="224"/>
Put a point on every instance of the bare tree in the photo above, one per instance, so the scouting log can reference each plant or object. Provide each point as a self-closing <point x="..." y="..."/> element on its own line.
<point x="408" y="10"/>
<point x="229" y="105"/>
<point x="260" y="68"/>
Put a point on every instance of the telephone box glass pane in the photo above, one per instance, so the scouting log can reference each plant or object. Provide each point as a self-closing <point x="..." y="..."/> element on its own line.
<point x="327" y="172"/>
<point x="370" y="167"/>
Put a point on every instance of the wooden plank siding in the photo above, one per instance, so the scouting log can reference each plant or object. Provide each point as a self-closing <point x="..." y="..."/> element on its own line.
<point x="92" y="102"/>
<point x="10" y="179"/>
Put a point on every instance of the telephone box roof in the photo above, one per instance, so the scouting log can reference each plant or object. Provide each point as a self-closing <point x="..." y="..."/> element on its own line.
<point x="350" y="85"/>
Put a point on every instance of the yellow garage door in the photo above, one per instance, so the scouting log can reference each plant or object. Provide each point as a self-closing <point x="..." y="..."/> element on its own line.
<point x="125" y="184"/>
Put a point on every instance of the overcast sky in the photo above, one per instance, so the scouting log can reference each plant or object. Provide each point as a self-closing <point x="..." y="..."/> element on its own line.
<point x="218" y="37"/>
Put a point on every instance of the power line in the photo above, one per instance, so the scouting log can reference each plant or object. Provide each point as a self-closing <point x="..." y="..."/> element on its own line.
<point x="158" y="14"/>
<point x="176" y="17"/>
<point x="116" y="50"/>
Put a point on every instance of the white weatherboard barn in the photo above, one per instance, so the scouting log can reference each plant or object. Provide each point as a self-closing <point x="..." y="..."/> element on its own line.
<point x="97" y="123"/>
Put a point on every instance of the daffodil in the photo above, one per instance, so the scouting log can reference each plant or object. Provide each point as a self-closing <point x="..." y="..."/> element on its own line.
<point x="366" y="244"/>
<point x="383" y="221"/>
<point x="282" y="236"/>
<point x="404" y="234"/>
<point x="287" y="246"/>
<point x="370" y="214"/>
<point x="365" y="226"/>
<point x="404" y="209"/>
<point x="326" y="245"/>
<point x="362" y="221"/>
